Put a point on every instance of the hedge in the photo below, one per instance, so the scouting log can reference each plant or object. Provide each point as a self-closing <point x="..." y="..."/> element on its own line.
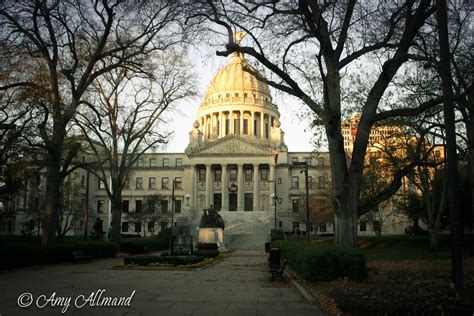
<point x="175" y="260"/>
<point x="207" y="246"/>
<point x="144" y="244"/>
<point x="207" y="253"/>
<point x="22" y="254"/>
<point x="323" y="262"/>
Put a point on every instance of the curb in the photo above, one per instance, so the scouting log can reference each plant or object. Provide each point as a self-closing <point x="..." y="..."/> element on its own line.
<point x="303" y="291"/>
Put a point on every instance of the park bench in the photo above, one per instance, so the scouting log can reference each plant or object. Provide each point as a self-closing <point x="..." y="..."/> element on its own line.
<point x="274" y="262"/>
<point x="277" y="271"/>
<point x="80" y="256"/>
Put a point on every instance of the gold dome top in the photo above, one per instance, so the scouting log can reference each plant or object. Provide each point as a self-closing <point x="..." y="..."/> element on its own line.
<point x="232" y="84"/>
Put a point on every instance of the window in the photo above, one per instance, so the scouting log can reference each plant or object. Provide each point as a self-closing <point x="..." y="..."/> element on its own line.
<point x="322" y="228"/>
<point x="245" y="94"/>
<point x="83" y="180"/>
<point x="264" y="174"/>
<point x="163" y="225"/>
<point x="138" y="227"/>
<point x="233" y="174"/>
<point x="236" y="95"/>
<point x="307" y="160"/>
<point x="125" y="206"/>
<point x="266" y="130"/>
<point x="227" y="95"/>
<point x="139" y="184"/>
<point x="177" y="206"/>
<point x="321" y="182"/>
<point x="152" y="183"/>
<point x="310" y="182"/>
<point x="294" y="160"/>
<point x="138" y="206"/>
<point x="164" y="206"/>
<point x="363" y="226"/>
<point x="100" y="206"/>
<point x="202" y="175"/>
<point x="248" y="202"/>
<point x="140" y="163"/>
<point x="178" y="183"/>
<point x="151" y="227"/>
<point x="217" y="175"/>
<point x="295" y="205"/>
<point x="321" y="161"/>
<point x="255" y="127"/>
<point x="151" y="206"/>
<point x="164" y="183"/>
<point x="152" y="162"/>
<point x="376" y="226"/>
<point x="179" y="162"/>
<point x="296" y="227"/>
<point x="101" y="184"/>
<point x="248" y="174"/>
<point x="246" y="127"/>
<point x="125" y="227"/>
<point x="295" y="182"/>
<point x="166" y="162"/>
<point x="126" y="184"/>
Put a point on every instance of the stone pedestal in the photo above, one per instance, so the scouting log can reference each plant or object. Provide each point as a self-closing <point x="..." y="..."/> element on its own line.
<point x="212" y="235"/>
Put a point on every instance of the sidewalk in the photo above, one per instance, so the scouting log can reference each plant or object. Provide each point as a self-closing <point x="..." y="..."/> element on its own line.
<point x="238" y="285"/>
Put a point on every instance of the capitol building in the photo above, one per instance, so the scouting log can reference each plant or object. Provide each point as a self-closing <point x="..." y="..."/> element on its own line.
<point x="236" y="162"/>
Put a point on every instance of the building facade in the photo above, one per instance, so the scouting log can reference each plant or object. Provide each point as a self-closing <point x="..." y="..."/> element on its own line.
<point x="236" y="162"/>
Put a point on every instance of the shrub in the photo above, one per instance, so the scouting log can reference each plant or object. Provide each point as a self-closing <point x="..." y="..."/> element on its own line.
<point x="174" y="260"/>
<point x="324" y="262"/>
<point x="276" y="234"/>
<point x="207" y="246"/>
<point x="144" y="244"/>
<point x="207" y="253"/>
<point x="17" y="254"/>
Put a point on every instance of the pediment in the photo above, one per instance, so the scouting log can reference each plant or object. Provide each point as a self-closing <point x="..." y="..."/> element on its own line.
<point x="231" y="145"/>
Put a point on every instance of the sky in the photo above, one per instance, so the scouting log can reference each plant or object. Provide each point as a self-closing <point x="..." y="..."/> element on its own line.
<point x="205" y="65"/>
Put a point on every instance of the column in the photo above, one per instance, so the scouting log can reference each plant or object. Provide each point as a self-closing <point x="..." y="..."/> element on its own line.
<point x="262" y="125"/>
<point x="256" y="188"/>
<point x="193" y="193"/>
<point x="213" y="130"/>
<point x="240" y="184"/>
<point x="231" y="120"/>
<point x="272" y="184"/>
<point x="208" y="185"/>
<point x="225" y="190"/>
<point x="241" y="131"/>
<point x="252" y="124"/>
<point x="221" y="125"/>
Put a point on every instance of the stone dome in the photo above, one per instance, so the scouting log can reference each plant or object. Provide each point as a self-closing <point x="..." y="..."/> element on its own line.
<point x="232" y="84"/>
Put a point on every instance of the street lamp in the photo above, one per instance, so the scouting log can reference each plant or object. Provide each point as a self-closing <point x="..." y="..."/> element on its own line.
<point x="275" y="199"/>
<point x="305" y="171"/>
<point x="187" y="196"/>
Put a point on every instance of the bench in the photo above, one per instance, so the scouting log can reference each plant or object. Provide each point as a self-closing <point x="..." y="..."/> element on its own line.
<point x="80" y="256"/>
<point x="277" y="270"/>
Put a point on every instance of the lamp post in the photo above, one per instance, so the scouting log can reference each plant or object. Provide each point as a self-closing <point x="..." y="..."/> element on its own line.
<point x="274" y="196"/>
<point x="305" y="171"/>
<point x="172" y="218"/>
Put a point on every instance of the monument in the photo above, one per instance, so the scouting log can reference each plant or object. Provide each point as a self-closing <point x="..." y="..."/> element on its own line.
<point x="211" y="228"/>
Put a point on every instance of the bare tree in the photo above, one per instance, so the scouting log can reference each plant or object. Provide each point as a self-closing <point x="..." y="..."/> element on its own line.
<point x="306" y="42"/>
<point x="122" y="118"/>
<point x="70" y="44"/>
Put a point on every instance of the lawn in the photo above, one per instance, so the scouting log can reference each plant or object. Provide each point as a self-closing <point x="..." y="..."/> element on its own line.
<point x="405" y="277"/>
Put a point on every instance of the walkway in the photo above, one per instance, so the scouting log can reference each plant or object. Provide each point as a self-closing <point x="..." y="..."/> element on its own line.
<point x="238" y="285"/>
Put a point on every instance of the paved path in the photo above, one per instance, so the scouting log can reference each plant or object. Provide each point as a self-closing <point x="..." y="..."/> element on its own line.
<point x="238" y="285"/>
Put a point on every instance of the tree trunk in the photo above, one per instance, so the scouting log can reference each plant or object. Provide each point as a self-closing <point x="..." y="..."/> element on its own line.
<point x="53" y="183"/>
<point x="116" y="217"/>
<point x="434" y="239"/>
